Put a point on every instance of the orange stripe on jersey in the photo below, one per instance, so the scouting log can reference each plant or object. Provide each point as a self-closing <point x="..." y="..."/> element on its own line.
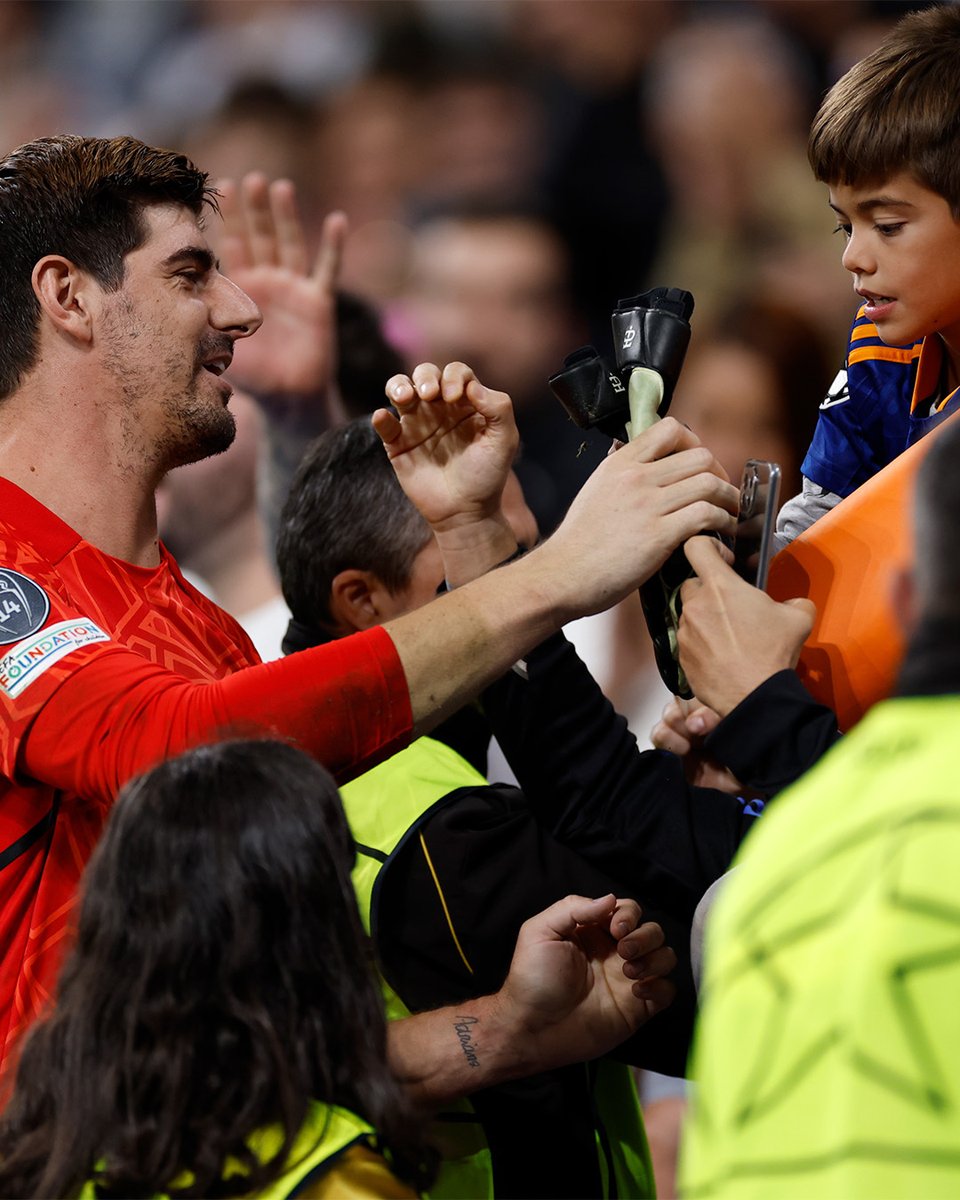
<point x="859" y="332"/>
<point x="887" y="353"/>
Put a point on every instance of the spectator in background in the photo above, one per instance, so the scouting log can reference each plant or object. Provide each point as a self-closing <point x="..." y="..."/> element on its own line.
<point x="490" y="286"/>
<point x="263" y="125"/>
<point x="208" y="516"/>
<point x="727" y="102"/>
<point x="748" y="385"/>
<point x="602" y="178"/>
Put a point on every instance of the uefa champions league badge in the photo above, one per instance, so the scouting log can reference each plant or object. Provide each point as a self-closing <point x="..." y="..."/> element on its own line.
<point x="23" y="607"/>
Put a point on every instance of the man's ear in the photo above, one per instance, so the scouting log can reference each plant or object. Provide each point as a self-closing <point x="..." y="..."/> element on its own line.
<point x="64" y="293"/>
<point x="359" y="600"/>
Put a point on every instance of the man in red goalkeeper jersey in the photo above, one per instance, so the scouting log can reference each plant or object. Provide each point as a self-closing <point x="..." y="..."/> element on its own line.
<point x="118" y="328"/>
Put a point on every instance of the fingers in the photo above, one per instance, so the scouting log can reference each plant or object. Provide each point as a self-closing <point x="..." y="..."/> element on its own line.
<point x="290" y="245"/>
<point x="641" y="941"/>
<point x="625" y="919"/>
<point x="386" y="425"/>
<point x="262" y="227"/>
<point x="333" y="238"/>
<point x="405" y="390"/>
<point x="669" y="437"/>
<point x="454" y="384"/>
<point x="683" y="723"/>
<point x="655" y="965"/>
<point x="559" y="922"/>
<point x="706" y="556"/>
<point x="657" y="993"/>
<point x="258" y="219"/>
<point x="805" y="606"/>
<point x="647" y="959"/>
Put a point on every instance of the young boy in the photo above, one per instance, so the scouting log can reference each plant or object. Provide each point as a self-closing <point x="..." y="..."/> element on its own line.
<point x="887" y="143"/>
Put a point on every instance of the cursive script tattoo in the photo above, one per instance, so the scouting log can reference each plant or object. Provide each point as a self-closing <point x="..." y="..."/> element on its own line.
<point x="462" y="1027"/>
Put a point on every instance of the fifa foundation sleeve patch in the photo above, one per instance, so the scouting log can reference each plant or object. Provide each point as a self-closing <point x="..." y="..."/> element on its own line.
<point x="36" y="650"/>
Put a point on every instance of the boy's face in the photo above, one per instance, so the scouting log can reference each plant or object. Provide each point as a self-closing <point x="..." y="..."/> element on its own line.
<point x="903" y="251"/>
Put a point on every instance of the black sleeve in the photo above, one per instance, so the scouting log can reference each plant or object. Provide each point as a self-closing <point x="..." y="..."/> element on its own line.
<point x="774" y="735"/>
<point x="449" y="904"/>
<point x="633" y="814"/>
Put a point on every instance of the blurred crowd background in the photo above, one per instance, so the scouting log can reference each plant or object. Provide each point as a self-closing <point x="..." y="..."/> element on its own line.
<point x="510" y="170"/>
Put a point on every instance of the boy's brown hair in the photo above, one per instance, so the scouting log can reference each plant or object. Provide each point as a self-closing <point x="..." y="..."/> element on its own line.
<point x="81" y="197"/>
<point x="897" y="110"/>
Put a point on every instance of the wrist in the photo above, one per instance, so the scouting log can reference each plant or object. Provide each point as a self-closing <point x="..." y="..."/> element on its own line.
<point x="475" y="547"/>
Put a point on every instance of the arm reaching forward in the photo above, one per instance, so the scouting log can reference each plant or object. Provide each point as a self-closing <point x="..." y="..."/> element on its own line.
<point x="585" y="975"/>
<point x="733" y="636"/>
<point x="452" y="445"/>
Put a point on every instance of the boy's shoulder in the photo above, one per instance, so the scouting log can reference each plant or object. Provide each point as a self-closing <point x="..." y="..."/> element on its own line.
<point x="865" y="417"/>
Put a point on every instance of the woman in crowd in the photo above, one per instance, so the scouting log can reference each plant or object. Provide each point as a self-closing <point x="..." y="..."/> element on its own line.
<point x="218" y="1029"/>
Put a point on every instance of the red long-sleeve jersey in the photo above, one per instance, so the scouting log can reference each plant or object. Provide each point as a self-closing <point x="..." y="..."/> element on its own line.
<point x="105" y="669"/>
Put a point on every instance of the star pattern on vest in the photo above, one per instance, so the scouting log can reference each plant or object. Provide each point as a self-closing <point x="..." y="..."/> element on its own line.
<point x="869" y="880"/>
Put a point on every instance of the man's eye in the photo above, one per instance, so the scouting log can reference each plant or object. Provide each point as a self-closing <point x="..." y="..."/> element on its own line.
<point x="844" y="229"/>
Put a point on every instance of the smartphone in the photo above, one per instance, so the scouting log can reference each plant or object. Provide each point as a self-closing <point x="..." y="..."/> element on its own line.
<point x="759" y="503"/>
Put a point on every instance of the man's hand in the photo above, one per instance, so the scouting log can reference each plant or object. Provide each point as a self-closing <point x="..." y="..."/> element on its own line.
<point x="636" y="507"/>
<point x="264" y="252"/>
<point x="585" y="975"/>
<point x="682" y="730"/>
<point x="452" y="445"/>
<point x="732" y="635"/>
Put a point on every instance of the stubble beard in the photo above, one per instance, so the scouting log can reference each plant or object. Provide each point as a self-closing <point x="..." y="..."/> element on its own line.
<point x="199" y="424"/>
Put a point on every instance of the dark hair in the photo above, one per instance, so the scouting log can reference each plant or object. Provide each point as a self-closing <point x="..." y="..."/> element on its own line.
<point x="220" y="981"/>
<point x="896" y="110"/>
<point x="345" y="510"/>
<point x="365" y="358"/>
<point x="81" y="197"/>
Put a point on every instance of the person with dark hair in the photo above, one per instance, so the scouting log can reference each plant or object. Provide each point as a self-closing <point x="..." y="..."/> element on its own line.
<point x="886" y="141"/>
<point x="120" y="327"/>
<point x="246" y="1050"/>
<point x="448" y="873"/>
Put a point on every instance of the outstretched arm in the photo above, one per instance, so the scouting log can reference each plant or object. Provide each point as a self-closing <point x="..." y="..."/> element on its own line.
<point x="585" y="975"/>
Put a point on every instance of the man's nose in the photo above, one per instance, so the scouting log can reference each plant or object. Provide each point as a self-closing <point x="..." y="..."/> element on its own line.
<point x="233" y="311"/>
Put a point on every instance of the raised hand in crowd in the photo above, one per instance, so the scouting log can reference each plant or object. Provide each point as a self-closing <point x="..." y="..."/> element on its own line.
<point x="264" y="251"/>
<point x="452" y="446"/>
<point x="453" y="443"/>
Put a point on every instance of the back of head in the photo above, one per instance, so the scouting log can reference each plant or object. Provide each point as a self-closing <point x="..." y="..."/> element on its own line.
<point x="896" y="110"/>
<point x="219" y="981"/>
<point x="937" y="531"/>
<point x="80" y="197"/>
<point x="345" y="511"/>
